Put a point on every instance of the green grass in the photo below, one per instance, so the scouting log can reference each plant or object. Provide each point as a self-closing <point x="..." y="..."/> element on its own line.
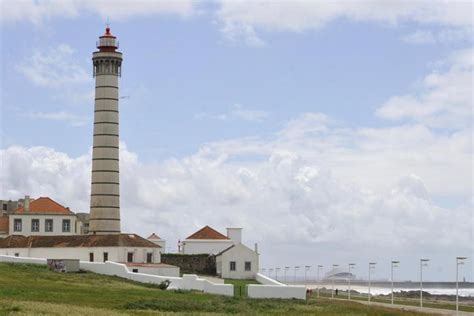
<point x="401" y="301"/>
<point x="33" y="290"/>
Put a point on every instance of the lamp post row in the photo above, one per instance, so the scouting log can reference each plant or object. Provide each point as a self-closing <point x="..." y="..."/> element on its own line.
<point x="394" y="264"/>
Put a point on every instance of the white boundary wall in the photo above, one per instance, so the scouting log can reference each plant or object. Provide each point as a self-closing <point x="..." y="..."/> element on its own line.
<point x="274" y="289"/>
<point x="187" y="282"/>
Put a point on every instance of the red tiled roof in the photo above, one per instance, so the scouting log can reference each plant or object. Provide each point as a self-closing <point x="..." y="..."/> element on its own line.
<point x="207" y="233"/>
<point x="153" y="236"/>
<point x="44" y="205"/>
<point x="4" y="224"/>
<point x="119" y="240"/>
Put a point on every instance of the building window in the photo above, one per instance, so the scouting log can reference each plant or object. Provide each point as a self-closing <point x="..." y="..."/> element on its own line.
<point x="5" y="207"/>
<point x="17" y="224"/>
<point x="48" y="225"/>
<point x="130" y="257"/>
<point x="35" y="225"/>
<point x="91" y="256"/>
<point x="106" y="256"/>
<point x="248" y="266"/>
<point x="149" y="257"/>
<point x="66" y="225"/>
<point x="232" y="266"/>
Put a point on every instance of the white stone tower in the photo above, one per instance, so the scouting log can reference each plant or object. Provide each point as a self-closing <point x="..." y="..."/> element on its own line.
<point x="105" y="190"/>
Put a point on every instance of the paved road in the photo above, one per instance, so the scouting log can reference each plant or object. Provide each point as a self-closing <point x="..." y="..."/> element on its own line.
<point x="427" y="310"/>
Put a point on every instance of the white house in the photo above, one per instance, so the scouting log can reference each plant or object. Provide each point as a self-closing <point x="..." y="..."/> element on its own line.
<point x="126" y="248"/>
<point x="237" y="262"/>
<point x="206" y="240"/>
<point x="42" y="216"/>
<point x="157" y="240"/>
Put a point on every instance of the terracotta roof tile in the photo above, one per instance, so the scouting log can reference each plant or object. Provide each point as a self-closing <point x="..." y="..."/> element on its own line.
<point x="4" y="224"/>
<point x="207" y="233"/>
<point x="44" y="205"/>
<point x="119" y="240"/>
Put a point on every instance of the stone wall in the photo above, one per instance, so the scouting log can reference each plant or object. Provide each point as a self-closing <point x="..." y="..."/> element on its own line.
<point x="194" y="264"/>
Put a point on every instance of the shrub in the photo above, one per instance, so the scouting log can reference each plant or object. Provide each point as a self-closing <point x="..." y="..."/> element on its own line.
<point x="164" y="285"/>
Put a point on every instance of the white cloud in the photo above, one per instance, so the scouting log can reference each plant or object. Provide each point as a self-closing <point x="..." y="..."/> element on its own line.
<point x="420" y="37"/>
<point x="237" y="112"/>
<point x="39" y="11"/>
<point x="54" y="67"/>
<point x="247" y="17"/>
<point x="444" y="36"/>
<point x="62" y="116"/>
<point x="445" y="100"/>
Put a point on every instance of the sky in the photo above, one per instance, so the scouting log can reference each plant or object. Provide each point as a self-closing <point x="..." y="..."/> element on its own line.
<point x="332" y="132"/>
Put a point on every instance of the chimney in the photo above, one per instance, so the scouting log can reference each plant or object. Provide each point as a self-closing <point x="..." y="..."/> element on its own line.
<point x="26" y="203"/>
<point x="235" y="234"/>
<point x="256" y="248"/>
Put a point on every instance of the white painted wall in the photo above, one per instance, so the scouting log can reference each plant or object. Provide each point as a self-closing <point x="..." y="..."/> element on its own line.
<point x="116" y="254"/>
<point x="162" y="270"/>
<point x="159" y="242"/>
<point x="197" y="246"/>
<point x="239" y="254"/>
<point x="270" y="288"/>
<point x="57" y="224"/>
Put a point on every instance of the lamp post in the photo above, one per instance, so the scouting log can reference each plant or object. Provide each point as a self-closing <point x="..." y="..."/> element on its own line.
<point x="334" y="266"/>
<point x="351" y="265"/>
<point x="276" y="273"/>
<point x="320" y="267"/>
<point x="270" y="270"/>
<point x="371" y="267"/>
<point x="394" y="265"/>
<point x="286" y="270"/>
<point x="296" y="269"/>
<point x="423" y="263"/>
<point x="306" y="268"/>
<point x="459" y="261"/>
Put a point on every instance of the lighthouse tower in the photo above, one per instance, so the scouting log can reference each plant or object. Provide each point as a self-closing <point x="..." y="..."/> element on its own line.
<point x="105" y="190"/>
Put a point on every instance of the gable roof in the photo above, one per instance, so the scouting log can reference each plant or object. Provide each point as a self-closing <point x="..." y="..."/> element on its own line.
<point x="153" y="236"/>
<point x="4" y="224"/>
<point x="240" y="245"/>
<point x="118" y="240"/>
<point x="208" y="233"/>
<point x="44" y="205"/>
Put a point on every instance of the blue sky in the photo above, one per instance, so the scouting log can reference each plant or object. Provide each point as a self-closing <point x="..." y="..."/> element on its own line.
<point x="352" y="107"/>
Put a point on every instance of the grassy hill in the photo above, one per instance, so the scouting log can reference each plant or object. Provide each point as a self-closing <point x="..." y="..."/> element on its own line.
<point x="33" y="290"/>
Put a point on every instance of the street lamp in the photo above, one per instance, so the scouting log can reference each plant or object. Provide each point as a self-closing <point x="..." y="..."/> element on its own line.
<point x="306" y="268"/>
<point x="423" y="263"/>
<point x="276" y="273"/>
<point x="394" y="265"/>
<point x="371" y="267"/>
<point x="334" y="266"/>
<point x="459" y="261"/>
<point x="351" y="265"/>
<point x="270" y="270"/>
<point x="320" y="267"/>
<point x="296" y="269"/>
<point x="286" y="270"/>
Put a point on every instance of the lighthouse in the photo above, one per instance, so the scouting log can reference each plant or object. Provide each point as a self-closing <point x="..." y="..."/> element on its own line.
<point x="105" y="188"/>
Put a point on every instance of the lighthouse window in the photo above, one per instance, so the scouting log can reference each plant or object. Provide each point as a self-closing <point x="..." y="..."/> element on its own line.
<point x="130" y="257"/>
<point x="149" y="257"/>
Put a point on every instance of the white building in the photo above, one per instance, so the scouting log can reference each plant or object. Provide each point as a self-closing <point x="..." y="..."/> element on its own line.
<point x="43" y="216"/>
<point x="126" y="248"/>
<point x="206" y="240"/>
<point x="237" y="262"/>
<point x="157" y="240"/>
